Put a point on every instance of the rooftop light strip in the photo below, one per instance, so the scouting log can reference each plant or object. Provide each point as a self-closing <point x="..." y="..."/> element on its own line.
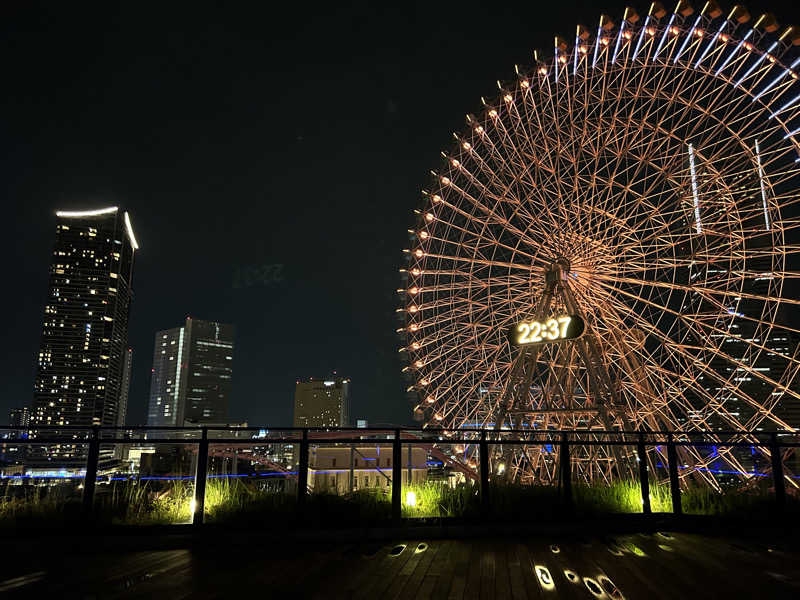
<point x="641" y="37"/>
<point x="688" y="37"/>
<point x="694" y="190"/>
<point x="763" y="189"/>
<point x="664" y="36"/>
<point x="86" y="213"/>
<point x="733" y="52"/>
<point x="755" y="64"/>
<point x="786" y="72"/>
<point x="129" y="229"/>
<point x="710" y="44"/>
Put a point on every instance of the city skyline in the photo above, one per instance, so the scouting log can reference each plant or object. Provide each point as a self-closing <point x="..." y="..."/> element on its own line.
<point x="253" y="204"/>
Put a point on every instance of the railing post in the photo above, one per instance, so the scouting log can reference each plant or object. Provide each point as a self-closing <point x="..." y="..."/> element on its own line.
<point x="200" y="478"/>
<point x="566" y="472"/>
<point x="483" y="456"/>
<point x="644" y="480"/>
<point x="397" y="476"/>
<point x="777" y="474"/>
<point x="674" y="482"/>
<point x="302" y="474"/>
<point x="90" y="479"/>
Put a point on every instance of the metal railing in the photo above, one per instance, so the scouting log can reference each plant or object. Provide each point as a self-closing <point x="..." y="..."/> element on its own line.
<point x="96" y="436"/>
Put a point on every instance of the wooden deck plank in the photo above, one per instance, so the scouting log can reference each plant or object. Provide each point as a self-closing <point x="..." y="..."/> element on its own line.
<point x="487" y="567"/>
<point x="380" y="581"/>
<point x="515" y="579"/>
<point x="404" y="575"/>
<point x="466" y="583"/>
<point x="411" y="589"/>
<point x="532" y="589"/>
<point x="458" y="555"/>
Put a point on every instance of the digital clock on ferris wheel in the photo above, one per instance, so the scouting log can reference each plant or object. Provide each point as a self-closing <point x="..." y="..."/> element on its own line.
<point x="551" y="329"/>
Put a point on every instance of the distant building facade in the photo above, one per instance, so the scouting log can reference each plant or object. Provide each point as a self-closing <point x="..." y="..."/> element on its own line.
<point x="322" y="403"/>
<point x="192" y="374"/>
<point x="81" y="364"/>
<point x="20" y="417"/>
<point x="342" y="469"/>
<point x="126" y="387"/>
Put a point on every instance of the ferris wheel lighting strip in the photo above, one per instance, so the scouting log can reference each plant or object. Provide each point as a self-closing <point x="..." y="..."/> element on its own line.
<point x="597" y="42"/>
<point x="791" y="133"/>
<point x="577" y="52"/>
<point x="694" y="190"/>
<point x="777" y="79"/>
<point x="785" y="106"/>
<point x="555" y="63"/>
<point x="755" y="64"/>
<point x="734" y="51"/>
<point x="710" y="44"/>
<point x="761" y="181"/>
<point x="641" y="37"/>
<point x="688" y="37"/>
<point x="619" y="37"/>
<point x="664" y="36"/>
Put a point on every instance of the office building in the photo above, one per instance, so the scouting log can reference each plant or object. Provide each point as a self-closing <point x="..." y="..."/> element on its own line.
<point x="191" y="376"/>
<point x="81" y="362"/>
<point x="322" y="403"/>
<point x="20" y="417"/>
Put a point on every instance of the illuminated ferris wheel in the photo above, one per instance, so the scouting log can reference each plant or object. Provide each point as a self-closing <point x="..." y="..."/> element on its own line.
<point x="639" y="181"/>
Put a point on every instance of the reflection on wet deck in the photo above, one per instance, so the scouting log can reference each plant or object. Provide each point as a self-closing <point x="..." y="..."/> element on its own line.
<point x="662" y="565"/>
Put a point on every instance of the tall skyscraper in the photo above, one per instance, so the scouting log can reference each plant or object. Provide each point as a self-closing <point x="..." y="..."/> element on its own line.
<point x="81" y="363"/>
<point x="191" y="377"/>
<point x="322" y="403"/>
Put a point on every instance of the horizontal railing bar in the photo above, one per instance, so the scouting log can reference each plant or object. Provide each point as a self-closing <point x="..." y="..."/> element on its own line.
<point x="387" y="441"/>
<point x="312" y="430"/>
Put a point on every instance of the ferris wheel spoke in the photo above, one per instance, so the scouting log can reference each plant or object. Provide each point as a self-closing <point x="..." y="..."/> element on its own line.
<point x="684" y="348"/>
<point x="699" y="322"/>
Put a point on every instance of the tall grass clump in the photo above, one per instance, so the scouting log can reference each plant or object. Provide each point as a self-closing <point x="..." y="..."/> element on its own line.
<point x="619" y="497"/>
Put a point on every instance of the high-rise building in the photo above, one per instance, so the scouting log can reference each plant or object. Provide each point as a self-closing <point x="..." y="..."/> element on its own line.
<point x="81" y="362"/>
<point x="20" y="417"/>
<point x="126" y="388"/>
<point x="322" y="403"/>
<point x="191" y="376"/>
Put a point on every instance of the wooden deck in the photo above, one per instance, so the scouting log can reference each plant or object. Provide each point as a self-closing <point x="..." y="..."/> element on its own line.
<point x="631" y="566"/>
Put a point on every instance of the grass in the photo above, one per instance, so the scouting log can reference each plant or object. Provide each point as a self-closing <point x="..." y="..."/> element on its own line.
<point x="619" y="497"/>
<point x="234" y="502"/>
<point x="738" y="503"/>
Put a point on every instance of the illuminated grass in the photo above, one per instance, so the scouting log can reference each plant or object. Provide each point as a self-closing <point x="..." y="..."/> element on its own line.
<point x="619" y="497"/>
<point x="234" y="502"/>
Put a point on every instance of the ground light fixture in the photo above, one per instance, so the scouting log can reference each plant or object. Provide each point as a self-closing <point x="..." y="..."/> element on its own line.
<point x="544" y="577"/>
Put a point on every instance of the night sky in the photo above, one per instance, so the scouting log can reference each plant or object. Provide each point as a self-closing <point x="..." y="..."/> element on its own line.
<point x="237" y="137"/>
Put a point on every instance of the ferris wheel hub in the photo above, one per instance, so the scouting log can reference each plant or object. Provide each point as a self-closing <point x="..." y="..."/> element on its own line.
<point x="558" y="269"/>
